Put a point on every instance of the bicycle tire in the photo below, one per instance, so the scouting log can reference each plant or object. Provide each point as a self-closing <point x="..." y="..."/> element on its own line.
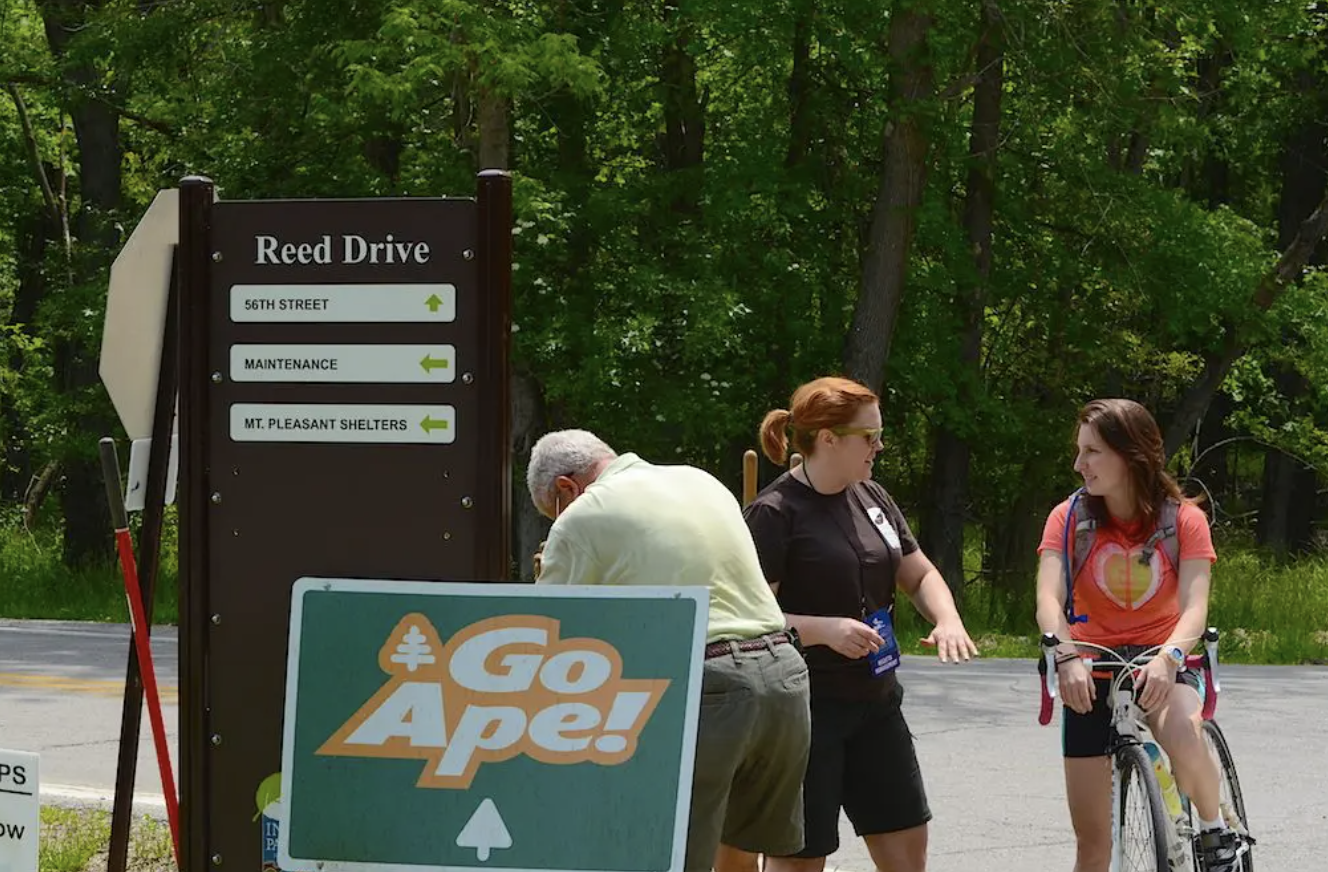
<point x="1135" y="766"/>
<point x="1227" y="770"/>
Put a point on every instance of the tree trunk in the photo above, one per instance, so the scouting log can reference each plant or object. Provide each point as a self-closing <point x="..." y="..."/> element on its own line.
<point x="1209" y="180"/>
<point x="1218" y="363"/>
<point x="953" y="453"/>
<point x="36" y="495"/>
<point x="1211" y="473"/>
<point x="894" y="218"/>
<point x="1010" y="556"/>
<point x="942" y="535"/>
<point x="801" y="116"/>
<point x="33" y="237"/>
<point x="684" y="114"/>
<point x="1289" y="505"/>
<point x="495" y="134"/>
<point x="529" y="527"/>
<point x="1284" y="526"/>
<point x="87" y="535"/>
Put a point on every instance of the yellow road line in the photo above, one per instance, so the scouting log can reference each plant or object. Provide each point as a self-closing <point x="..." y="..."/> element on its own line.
<point x="103" y="687"/>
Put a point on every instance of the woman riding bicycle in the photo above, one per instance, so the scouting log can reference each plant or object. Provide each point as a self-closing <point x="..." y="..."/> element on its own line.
<point x="1135" y="599"/>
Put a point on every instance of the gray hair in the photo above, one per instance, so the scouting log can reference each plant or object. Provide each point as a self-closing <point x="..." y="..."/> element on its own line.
<point x="562" y="452"/>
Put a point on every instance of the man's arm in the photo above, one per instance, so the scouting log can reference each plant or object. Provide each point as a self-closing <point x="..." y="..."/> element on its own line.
<point x="565" y="561"/>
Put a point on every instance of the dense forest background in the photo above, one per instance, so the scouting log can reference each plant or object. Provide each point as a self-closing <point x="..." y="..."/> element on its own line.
<point x="992" y="210"/>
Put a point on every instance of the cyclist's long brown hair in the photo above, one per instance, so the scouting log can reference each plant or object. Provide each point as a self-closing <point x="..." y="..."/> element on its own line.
<point x="1131" y="431"/>
<point x="830" y="401"/>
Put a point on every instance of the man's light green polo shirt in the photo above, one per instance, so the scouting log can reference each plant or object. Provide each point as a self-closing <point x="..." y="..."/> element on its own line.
<point x="645" y="524"/>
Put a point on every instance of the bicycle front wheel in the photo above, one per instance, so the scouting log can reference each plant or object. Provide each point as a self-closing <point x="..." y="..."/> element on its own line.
<point x="1142" y="824"/>
<point x="1233" y="800"/>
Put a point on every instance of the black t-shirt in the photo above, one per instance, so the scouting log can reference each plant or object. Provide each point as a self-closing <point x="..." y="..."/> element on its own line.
<point x="830" y="557"/>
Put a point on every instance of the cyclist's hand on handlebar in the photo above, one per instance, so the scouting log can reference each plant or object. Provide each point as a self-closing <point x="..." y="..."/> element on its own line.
<point x="1076" y="684"/>
<point x="851" y="637"/>
<point x="1157" y="677"/>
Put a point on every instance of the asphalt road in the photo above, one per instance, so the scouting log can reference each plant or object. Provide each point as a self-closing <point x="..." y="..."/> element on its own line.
<point x="993" y="773"/>
<point x="61" y="695"/>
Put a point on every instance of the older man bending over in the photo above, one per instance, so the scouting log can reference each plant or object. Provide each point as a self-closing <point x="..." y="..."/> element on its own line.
<point x="620" y="520"/>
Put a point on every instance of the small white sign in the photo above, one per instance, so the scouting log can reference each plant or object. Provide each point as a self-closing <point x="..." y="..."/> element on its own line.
<point x="136" y="485"/>
<point x="20" y="811"/>
<point x="343" y="363"/>
<point x="336" y="422"/>
<point x="351" y="304"/>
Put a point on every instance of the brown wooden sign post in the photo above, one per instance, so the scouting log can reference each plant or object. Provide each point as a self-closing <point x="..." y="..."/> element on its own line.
<point x="343" y="412"/>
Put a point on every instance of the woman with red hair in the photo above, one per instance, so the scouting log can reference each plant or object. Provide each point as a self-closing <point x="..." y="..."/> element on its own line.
<point x="835" y="547"/>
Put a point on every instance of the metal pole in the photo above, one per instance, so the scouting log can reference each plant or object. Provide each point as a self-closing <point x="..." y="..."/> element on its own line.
<point x="124" y="544"/>
<point x="494" y="256"/>
<point x="195" y="274"/>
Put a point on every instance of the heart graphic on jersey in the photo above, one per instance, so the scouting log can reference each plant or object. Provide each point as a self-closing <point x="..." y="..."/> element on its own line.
<point x="1125" y="580"/>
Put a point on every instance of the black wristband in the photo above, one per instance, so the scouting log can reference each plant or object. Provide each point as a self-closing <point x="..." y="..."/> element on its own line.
<point x="1066" y="658"/>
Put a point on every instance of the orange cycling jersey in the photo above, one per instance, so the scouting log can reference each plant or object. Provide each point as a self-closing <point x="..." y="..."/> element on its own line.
<point x="1128" y="602"/>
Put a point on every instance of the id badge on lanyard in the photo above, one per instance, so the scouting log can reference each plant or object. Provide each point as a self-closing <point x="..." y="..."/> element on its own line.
<point x="885" y="658"/>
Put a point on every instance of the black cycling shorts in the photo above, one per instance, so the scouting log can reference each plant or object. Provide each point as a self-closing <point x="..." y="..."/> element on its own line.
<point x="1090" y="735"/>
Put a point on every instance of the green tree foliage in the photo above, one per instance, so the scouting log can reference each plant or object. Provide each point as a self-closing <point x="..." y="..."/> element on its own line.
<point x="695" y="186"/>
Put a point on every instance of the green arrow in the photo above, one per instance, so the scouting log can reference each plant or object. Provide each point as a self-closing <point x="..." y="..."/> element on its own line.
<point x="433" y="302"/>
<point x="431" y="363"/>
<point x="430" y="424"/>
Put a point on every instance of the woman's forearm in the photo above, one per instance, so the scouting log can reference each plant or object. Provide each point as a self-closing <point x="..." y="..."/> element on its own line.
<point x="812" y="629"/>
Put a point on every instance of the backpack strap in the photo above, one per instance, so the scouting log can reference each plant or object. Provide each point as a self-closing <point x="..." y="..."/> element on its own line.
<point x="1167" y="534"/>
<point x="1084" y="530"/>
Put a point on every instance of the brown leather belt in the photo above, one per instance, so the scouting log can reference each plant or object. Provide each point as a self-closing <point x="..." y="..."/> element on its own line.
<point x="716" y="649"/>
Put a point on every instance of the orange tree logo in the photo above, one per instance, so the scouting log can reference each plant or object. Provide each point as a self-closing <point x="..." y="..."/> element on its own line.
<point x="499" y="687"/>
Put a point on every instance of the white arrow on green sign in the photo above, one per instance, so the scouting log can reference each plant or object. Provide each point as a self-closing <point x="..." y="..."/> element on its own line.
<point x="457" y="719"/>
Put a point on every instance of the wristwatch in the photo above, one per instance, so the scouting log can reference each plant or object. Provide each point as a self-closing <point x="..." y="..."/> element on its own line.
<point x="1177" y="656"/>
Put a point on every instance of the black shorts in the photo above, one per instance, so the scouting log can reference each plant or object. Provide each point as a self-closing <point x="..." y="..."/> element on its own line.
<point x="862" y="761"/>
<point x="1090" y="735"/>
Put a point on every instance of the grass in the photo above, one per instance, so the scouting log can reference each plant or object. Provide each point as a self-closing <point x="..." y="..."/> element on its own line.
<point x="78" y="839"/>
<point x="34" y="583"/>
<point x="1268" y="613"/>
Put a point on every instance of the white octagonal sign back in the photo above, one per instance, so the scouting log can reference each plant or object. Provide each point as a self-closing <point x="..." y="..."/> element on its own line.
<point x="136" y="314"/>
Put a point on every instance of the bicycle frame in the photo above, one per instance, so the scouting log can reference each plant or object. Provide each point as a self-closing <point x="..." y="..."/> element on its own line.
<point x="1128" y="722"/>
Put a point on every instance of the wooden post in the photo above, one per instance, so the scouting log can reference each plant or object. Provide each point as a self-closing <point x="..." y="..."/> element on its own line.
<point x="748" y="476"/>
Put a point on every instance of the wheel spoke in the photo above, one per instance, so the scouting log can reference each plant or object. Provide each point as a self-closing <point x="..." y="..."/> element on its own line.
<point x="1138" y="853"/>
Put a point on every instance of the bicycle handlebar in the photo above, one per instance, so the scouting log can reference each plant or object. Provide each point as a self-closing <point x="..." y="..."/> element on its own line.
<point x="1206" y="662"/>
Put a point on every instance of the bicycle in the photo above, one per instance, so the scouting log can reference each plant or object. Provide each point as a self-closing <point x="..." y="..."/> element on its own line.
<point x="1170" y="843"/>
